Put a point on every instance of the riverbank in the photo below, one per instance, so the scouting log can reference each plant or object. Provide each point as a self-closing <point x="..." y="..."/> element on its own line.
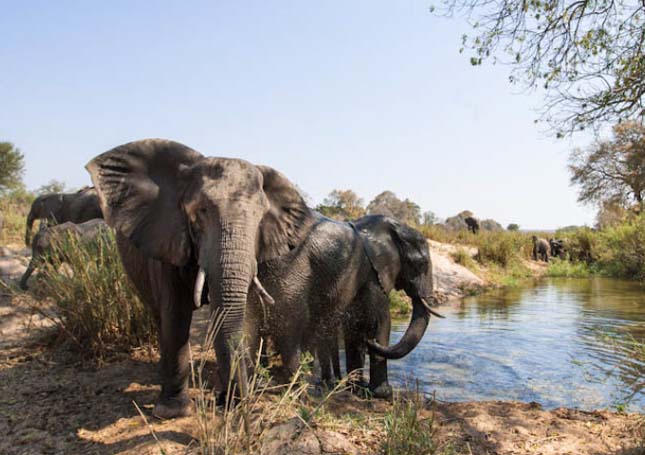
<point x="52" y="402"/>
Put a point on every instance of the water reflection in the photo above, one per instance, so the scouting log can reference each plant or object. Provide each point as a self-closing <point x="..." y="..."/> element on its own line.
<point x="558" y="342"/>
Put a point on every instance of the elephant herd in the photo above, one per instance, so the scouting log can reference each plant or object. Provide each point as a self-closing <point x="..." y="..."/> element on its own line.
<point x="193" y="230"/>
<point x="542" y="248"/>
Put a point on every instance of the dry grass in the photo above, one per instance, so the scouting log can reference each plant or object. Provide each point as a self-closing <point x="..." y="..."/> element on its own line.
<point x="93" y="303"/>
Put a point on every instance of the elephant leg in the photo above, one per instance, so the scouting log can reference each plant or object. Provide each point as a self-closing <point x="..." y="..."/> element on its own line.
<point x="354" y="352"/>
<point x="335" y="360"/>
<point x="26" y="275"/>
<point x="176" y="316"/>
<point x="379" y="384"/>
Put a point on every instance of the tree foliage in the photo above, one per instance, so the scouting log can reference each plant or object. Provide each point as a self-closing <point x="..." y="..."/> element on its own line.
<point x="12" y="166"/>
<point x="513" y="227"/>
<point x="53" y="186"/>
<point x="612" y="170"/>
<point x="588" y="55"/>
<point x="387" y="203"/>
<point x="342" y="205"/>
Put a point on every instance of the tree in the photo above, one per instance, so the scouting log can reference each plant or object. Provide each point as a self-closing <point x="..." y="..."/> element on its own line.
<point x="610" y="214"/>
<point x="612" y="170"/>
<point x="53" y="186"/>
<point x="387" y="203"/>
<point x="589" y="56"/>
<point x="342" y="205"/>
<point x="513" y="227"/>
<point x="12" y="166"/>
<point x="429" y="218"/>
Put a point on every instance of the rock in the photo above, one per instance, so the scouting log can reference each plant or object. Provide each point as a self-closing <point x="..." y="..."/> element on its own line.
<point x="12" y="267"/>
<point x="335" y="443"/>
<point x="290" y="438"/>
<point x="451" y="280"/>
<point x="294" y="438"/>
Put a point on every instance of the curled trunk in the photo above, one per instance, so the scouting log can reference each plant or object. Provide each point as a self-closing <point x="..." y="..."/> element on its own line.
<point x="411" y="337"/>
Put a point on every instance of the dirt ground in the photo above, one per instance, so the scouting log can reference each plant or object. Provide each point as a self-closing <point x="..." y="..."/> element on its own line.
<point x="52" y="403"/>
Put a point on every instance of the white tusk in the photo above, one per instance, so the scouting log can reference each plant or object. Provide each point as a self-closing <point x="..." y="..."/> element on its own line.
<point x="430" y="310"/>
<point x="263" y="292"/>
<point x="199" y="287"/>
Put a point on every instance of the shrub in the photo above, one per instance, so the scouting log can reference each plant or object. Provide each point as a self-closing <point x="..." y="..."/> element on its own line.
<point x="567" y="269"/>
<point x="501" y="247"/>
<point x="622" y="249"/>
<point x="400" y="303"/>
<point x="14" y="207"/>
<point x="406" y="432"/>
<point x="94" y="304"/>
<point x="461" y="257"/>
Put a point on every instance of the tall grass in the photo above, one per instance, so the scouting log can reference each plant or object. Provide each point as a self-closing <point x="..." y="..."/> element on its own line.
<point x="241" y="428"/>
<point x="94" y="304"/>
<point x="14" y="207"/>
<point x="406" y="432"/>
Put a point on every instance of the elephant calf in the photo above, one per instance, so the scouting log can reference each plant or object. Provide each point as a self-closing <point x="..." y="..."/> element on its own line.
<point x="540" y="249"/>
<point x="46" y="237"/>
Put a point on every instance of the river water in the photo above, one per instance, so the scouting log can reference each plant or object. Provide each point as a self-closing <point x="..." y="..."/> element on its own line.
<point x="559" y="342"/>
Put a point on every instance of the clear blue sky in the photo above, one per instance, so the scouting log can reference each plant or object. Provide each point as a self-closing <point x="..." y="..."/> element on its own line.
<point x="367" y="95"/>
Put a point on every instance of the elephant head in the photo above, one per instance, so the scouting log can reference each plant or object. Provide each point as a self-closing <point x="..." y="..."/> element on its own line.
<point x="220" y="216"/>
<point x="411" y="273"/>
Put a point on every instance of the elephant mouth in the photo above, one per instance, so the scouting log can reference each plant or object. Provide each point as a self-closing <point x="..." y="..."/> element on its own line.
<point x="198" y="290"/>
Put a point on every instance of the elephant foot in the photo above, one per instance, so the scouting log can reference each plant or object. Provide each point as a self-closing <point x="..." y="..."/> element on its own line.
<point x="171" y="408"/>
<point x="383" y="391"/>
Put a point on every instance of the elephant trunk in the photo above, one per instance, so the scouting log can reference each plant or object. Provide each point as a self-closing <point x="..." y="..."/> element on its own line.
<point x="411" y="337"/>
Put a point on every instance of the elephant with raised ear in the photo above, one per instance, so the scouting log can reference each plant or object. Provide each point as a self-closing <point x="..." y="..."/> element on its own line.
<point x="54" y="208"/>
<point x="192" y="228"/>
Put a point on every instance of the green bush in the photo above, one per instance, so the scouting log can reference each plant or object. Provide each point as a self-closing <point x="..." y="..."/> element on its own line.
<point x="462" y="257"/>
<point x="400" y="303"/>
<point x="568" y="269"/>
<point x="94" y="304"/>
<point x="501" y="248"/>
<point x="622" y="249"/>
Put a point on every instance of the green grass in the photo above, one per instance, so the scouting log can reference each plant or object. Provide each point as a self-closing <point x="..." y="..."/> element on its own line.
<point x="94" y="304"/>
<point x="568" y="269"/>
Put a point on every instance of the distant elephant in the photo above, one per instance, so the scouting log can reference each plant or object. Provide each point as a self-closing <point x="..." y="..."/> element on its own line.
<point x="56" y="208"/>
<point x="557" y="248"/>
<point x="192" y="229"/>
<point x="341" y="268"/>
<point x="42" y="245"/>
<point x="473" y="224"/>
<point x="540" y="249"/>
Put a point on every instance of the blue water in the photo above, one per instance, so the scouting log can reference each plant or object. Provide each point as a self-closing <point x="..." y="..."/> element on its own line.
<point x="561" y="342"/>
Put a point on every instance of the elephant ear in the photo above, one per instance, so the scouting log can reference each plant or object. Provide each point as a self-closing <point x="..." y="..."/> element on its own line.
<point x="285" y="225"/>
<point x="140" y="187"/>
<point x="416" y="265"/>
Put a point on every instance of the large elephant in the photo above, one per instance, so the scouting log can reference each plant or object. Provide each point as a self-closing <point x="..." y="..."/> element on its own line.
<point x="55" y="208"/>
<point x="472" y="223"/>
<point x="45" y="238"/>
<point x="190" y="229"/>
<point x="343" y="273"/>
<point x="540" y="249"/>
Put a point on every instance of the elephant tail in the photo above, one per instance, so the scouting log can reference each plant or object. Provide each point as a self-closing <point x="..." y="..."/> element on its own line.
<point x="412" y="336"/>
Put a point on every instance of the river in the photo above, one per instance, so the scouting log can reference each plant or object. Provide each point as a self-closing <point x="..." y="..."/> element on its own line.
<point x="558" y="342"/>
